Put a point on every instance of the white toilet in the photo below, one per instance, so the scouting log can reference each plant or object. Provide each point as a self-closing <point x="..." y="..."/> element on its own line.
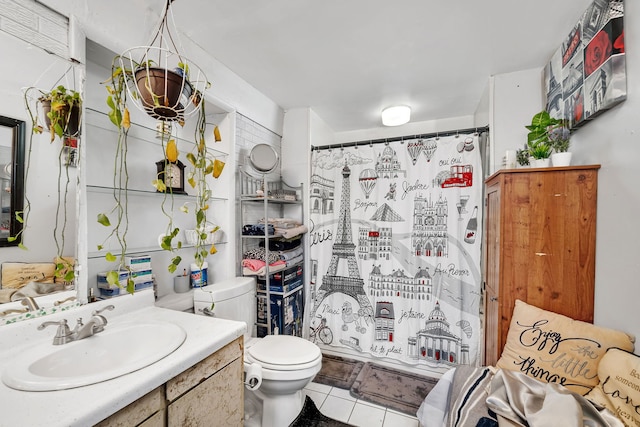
<point x="277" y="367"/>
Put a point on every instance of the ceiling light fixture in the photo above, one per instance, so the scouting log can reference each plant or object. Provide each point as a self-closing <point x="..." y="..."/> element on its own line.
<point x="396" y="116"/>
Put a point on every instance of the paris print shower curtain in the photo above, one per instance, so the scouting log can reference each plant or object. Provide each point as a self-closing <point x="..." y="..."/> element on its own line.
<point x="395" y="249"/>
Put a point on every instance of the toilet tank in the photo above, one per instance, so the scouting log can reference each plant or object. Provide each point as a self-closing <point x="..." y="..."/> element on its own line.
<point x="235" y="299"/>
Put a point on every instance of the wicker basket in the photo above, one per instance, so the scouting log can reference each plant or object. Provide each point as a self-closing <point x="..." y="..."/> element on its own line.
<point x="192" y="236"/>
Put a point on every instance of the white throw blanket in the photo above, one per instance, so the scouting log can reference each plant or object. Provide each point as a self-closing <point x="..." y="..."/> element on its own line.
<point x="31" y="289"/>
<point x="469" y="397"/>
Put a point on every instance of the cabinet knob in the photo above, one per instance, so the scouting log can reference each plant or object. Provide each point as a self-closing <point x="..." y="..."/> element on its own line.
<point x="493" y="299"/>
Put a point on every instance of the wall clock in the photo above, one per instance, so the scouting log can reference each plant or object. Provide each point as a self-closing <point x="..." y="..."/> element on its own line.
<point x="173" y="175"/>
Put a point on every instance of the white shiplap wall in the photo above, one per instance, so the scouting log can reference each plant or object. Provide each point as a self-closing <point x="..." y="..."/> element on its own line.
<point x="36" y="24"/>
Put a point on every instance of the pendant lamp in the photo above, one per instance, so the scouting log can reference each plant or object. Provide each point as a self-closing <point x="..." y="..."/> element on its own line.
<point x="160" y="80"/>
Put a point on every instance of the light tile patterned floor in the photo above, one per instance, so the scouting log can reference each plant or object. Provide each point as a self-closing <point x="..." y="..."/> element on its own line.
<point x="340" y="405"/>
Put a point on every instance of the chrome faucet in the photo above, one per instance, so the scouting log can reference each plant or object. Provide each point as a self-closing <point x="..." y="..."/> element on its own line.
<point x="31" y="304"/>
<point x="94" y="325"/>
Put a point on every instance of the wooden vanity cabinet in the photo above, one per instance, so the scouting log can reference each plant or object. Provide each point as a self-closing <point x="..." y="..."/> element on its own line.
<point x="540" y="234"/>
<point x="210" y="393"/>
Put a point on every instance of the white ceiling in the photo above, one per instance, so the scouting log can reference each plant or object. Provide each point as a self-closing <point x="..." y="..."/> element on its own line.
<point x="349" y="59"/>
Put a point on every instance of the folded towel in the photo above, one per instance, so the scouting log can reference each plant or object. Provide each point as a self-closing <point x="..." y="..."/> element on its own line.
<point x="250" y="267"/>
<point x="257" y="229"/>
<point x="294" y="261"/>
<point x="260" y="254"/>
<point x="292" y="232"/>
<point x="282" y="222"/>
<point x="283" y="244"/>
<point x="287" y="255"/>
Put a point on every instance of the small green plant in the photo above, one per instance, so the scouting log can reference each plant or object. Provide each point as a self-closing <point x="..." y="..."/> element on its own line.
<point x="522" y="156"/>
<point x="542" y="124"/>
<point x="543" y="130"/>
<point x="540" y="151"/>
<point x="560" y="138"/>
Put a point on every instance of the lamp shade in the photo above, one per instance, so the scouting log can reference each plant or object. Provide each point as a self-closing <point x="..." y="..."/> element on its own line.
<point x="396" y="116"/>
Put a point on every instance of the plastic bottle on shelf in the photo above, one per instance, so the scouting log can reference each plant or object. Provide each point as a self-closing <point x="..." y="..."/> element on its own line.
<point x="199" y="277"/>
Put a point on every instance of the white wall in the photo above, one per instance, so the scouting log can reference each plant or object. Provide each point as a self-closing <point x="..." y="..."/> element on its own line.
<point x="516" y="97"/>
<point x="612" y="141"/>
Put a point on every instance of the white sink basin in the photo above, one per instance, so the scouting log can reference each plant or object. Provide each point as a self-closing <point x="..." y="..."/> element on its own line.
<point x="118" y="350"/>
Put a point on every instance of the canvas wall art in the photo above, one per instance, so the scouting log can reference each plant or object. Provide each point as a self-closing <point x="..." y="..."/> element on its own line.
<point x="587" y="74"/>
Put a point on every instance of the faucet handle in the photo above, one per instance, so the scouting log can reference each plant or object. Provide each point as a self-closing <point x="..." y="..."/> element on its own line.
<point x="108" y="307"/>
<point x="63" y="334"/>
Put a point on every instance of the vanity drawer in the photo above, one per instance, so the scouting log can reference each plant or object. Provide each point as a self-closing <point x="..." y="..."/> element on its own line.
<point x="193" y="376"/>
<point x="217" y="402"/>
<point x="147" y="411"/>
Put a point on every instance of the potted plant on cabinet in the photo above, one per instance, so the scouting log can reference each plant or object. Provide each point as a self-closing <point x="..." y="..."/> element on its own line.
<point x="541" y="153"/>
<point x="538" y="138"/>
<point x="560" y="142"/>
<point x="522" y="157"/>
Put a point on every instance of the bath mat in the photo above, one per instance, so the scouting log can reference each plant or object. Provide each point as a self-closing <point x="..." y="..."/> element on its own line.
<point x="338" y="371"/>
<point x="310" y="416"/>
<point x="398" y="390"/>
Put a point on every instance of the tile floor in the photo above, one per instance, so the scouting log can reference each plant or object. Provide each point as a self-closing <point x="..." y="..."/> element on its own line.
<point x="337" y="403"/>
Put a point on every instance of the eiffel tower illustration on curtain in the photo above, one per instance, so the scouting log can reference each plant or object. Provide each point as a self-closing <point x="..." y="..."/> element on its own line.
<point x="344" y="250"/>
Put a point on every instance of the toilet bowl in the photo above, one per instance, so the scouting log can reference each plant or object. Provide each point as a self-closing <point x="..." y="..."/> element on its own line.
<point x="277" y="367"/>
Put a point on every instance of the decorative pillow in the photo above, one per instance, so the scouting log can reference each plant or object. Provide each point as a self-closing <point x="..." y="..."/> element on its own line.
<point x="619" y="388"/>
<point x="555" y="348"/>
<point x="17" y="274"/>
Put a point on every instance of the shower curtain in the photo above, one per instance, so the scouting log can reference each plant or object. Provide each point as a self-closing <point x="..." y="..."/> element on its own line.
<point x="395" y="245"/>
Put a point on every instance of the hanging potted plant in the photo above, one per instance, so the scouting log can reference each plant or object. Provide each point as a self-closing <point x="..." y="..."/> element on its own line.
<point x="163" y="92"/>
<point x="61" y="108"/>
<point x="170" y="169"/>
<point x="203" y="165"/>
<point x="119" y="116"/>
<point x="62" y="112"/>
<point x="165" y="85"/>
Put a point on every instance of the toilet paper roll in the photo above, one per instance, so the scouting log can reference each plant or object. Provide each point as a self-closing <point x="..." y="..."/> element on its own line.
<point x="181" y="284"/>
<point x="253" y="376"/>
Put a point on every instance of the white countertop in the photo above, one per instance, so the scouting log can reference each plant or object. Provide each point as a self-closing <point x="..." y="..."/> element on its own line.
<point x="84" y="406"/>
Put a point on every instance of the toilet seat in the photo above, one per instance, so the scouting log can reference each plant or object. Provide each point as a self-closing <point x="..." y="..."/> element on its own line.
<point x="284" y="353"/>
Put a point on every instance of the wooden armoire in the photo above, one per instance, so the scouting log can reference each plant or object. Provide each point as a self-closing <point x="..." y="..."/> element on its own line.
<point x="540" y="245"/>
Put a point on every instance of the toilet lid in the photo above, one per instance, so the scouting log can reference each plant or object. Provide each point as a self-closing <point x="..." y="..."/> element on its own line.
<point x="284" y="352"/>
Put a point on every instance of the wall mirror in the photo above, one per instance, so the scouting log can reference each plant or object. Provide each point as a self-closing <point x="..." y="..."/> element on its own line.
<point x="12" y="142"/>
<point x="263" y="158"/>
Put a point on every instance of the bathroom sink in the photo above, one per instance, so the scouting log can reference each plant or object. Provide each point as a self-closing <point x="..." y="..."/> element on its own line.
<point x="118" y="350"/>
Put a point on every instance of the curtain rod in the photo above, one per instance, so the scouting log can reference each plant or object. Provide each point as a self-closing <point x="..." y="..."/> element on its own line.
<point x="402" y="138"/>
